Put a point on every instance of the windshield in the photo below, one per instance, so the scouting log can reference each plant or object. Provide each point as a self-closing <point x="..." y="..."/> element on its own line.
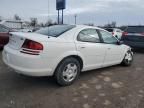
<point x="55" y="30"/>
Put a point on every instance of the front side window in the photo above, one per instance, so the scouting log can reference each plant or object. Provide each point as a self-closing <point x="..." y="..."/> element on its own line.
<point x="89" y="35"/>
<point x="108" y="38"/>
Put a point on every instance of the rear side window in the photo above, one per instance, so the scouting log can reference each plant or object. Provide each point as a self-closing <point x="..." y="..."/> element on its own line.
<point x="135" y="29"/>
<point x="88" y="35"/>
<point x="56" y="30"/>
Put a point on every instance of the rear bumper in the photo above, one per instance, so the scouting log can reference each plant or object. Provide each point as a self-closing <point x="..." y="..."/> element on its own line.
<point x="134" y="44"/>
<point x="26" y="64"/>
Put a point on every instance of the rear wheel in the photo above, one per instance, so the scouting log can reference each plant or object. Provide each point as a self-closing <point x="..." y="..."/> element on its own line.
<point x="128" y="59"/>
<point x="1" y="48"/>
<point x="67" y="72"/>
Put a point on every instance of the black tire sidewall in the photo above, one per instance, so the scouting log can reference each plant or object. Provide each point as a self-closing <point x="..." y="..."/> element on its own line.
<point x="59" y="71"/>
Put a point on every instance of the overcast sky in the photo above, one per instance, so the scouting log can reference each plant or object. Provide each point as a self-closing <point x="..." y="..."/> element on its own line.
<point x="98" y="12"/>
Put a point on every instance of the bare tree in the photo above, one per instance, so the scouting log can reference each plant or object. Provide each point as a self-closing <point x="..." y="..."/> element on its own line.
<point x="112" y="24"/>
<point x="42" y="25"/>
<point x="49" y="22"/>
<point x="33" y="22"/>
<point x="16" y="17"/>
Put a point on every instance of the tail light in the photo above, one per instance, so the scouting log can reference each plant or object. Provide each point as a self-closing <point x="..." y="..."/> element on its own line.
<point x="142" y="34"/>
<point x="124" y="33"/>
<point x="31" y="47"/>
<point x="112" y="33"/>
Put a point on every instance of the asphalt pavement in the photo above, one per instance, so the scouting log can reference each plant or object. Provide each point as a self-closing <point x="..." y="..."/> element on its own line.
<point x="112" y="87"/>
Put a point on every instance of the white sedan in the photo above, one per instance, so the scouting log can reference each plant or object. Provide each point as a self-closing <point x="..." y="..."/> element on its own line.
<point x="64" y="51"/>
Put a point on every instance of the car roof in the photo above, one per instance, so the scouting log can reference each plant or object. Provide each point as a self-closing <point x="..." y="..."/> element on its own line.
<point x="86" y="26"/>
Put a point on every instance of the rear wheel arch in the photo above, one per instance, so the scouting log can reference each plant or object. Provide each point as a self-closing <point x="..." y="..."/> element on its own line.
<point x="80" y="60"/>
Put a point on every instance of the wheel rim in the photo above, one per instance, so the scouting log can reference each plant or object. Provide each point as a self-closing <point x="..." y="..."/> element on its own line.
<point x="70" y="72"/>
<point x="128" y="57"/>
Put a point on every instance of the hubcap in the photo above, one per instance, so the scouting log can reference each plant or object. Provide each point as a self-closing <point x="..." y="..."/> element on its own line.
<point x="128" y="57"/>
<point x="70" y="72"/>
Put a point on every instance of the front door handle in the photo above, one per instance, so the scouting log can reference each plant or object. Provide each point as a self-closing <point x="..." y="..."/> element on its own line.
<point x="109" y="48"/>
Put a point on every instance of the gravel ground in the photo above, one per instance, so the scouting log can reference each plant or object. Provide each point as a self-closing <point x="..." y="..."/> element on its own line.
<point x="113" y="87"/>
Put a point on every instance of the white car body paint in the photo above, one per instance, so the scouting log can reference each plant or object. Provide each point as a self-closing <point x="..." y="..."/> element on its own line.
<point x="93" y="55"/>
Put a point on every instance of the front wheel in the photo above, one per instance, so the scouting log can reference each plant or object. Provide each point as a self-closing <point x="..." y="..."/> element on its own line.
<point x="67" y="72"/>
<point x="128" y="59"/>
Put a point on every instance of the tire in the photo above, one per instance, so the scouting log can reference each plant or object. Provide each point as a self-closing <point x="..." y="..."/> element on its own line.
<point x="1" y="48"/>
<point x="128" y="59"/>
<point x="67" y="71"/>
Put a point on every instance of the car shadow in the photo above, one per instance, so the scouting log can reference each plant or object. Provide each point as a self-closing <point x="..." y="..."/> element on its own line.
<point x="19" y="80"/>
<point x="100" y="71"/>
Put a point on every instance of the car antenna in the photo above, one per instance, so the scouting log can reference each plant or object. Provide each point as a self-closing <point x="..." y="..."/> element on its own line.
<point x="48" y="17"/>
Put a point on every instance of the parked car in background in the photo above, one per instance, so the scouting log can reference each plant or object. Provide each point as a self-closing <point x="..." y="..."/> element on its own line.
<point x="134" y="36"/>
<point x="29" y="29"/>
<point x="13" y="24"/>
<point x="4" y="35"/>
<point x="7" y="26"/>
<point x="64" y="51"/>
<point x="115" y="32"/>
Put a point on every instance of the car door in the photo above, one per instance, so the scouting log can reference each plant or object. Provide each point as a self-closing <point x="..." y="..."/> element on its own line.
<point x="4" y="38"/>
<point x="89" y="46"/>
<point x="114" y="52"/>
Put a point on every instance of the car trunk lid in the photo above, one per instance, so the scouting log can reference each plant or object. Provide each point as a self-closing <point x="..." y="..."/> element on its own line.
<point x="16" y="39"/>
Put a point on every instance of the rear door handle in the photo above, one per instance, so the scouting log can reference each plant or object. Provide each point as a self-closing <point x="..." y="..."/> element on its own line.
<point x="109" y="48"/>
<point x="82" y="47"/>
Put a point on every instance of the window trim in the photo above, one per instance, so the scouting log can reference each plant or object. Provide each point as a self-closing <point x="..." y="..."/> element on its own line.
<point x="89" y="41"/>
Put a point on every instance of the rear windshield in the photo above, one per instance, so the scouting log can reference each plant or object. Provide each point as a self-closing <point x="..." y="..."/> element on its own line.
<point x="55" y="30"/>
<point x="135" y="30"/>
<point x="110" y="30"/>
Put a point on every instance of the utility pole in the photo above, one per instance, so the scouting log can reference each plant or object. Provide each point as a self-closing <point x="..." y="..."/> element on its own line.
<point x="62" y="17"/>
<point x="58" y="17"/>
<point x="75" y="18"/>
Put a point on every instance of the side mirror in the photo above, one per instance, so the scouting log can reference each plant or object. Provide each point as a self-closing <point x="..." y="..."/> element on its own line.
<point x="120" y="42"/>
<point x="116" y="37"/>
